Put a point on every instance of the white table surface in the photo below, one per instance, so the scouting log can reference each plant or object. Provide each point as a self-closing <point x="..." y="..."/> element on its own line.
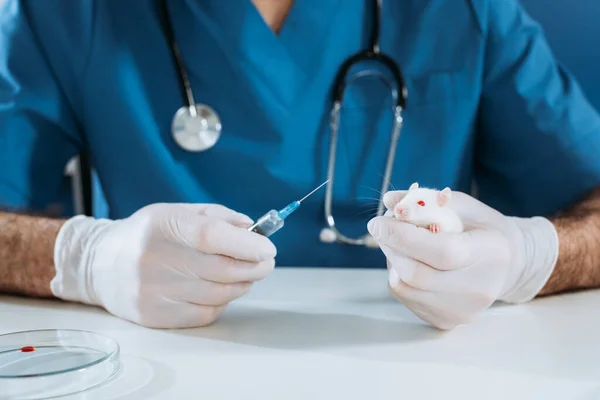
<point x="338" y="334"/>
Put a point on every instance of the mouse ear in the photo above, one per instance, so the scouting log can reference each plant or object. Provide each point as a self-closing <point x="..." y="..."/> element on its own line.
<point x="414" y="186"/>
<point x="443" y="197"/>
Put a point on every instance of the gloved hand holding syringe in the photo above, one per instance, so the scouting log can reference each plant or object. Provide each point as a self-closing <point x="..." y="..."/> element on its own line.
<point x="273" y="220"/>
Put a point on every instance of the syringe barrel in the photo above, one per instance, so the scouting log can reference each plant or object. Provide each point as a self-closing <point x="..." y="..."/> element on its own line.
<point x="268" y="224"/>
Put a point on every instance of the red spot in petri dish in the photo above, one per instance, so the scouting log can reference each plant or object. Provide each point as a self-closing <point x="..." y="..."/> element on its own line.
<point x="27" y="349"/>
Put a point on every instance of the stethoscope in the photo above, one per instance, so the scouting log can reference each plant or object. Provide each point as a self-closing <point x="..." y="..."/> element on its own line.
<point x="197" y="127"/>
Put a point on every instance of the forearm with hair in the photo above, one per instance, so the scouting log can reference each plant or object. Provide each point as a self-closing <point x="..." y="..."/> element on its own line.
<point x="27" y="254"/>
<point x="578" y="265"/>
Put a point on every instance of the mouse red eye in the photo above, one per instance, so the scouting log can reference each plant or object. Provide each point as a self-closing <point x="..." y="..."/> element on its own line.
<point x="421" y="203"/>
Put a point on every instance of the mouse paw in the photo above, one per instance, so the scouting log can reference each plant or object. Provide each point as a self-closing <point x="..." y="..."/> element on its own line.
<point x="435" y="228"/>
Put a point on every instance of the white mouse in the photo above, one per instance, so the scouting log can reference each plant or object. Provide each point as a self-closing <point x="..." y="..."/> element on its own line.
<point x="428" y="208"/>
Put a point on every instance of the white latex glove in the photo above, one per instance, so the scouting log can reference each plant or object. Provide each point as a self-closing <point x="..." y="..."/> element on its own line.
<point x="447" y="279"/>
<point x="166" y="266"/>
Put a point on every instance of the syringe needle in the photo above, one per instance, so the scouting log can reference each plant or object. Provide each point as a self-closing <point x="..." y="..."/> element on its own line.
<point x="272" y="221"/>
<point x="314" y="190"/>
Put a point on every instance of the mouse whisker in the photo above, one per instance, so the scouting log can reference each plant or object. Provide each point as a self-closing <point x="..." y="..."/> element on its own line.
<point x="368" y="212"/>
<point x="389" y="182"/>
<point x="367" y="217"/>
<point x="373" y="189"/>
<point x="368" y="208"/>
<point x="367" y="198"/>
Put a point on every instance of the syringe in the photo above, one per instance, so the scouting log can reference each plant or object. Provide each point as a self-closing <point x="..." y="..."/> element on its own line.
<point x="273" y="220"/>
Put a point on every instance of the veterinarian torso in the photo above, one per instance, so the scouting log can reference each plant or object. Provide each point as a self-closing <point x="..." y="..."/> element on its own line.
<point x="486" y="103"/>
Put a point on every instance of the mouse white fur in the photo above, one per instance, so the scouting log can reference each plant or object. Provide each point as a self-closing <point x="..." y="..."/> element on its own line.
<point x="428" y="208"/>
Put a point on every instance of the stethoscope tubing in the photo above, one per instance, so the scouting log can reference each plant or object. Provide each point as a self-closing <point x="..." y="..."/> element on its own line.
<point x="372" y="53"/>
<point x="182" y="75"/>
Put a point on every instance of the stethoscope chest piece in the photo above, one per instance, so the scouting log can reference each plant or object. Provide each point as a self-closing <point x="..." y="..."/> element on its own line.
<point x="196" y="128"/>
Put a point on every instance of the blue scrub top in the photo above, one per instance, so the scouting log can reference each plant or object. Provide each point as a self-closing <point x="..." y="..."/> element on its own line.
<point x="487" y="103"/>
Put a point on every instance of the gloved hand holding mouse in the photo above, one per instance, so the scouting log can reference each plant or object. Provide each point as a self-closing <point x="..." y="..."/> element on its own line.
<point x="450" y="256"/>
<point x="165" y="266"/>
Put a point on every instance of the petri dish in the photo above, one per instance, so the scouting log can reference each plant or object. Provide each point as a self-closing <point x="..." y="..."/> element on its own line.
<point x="45" y="364"/>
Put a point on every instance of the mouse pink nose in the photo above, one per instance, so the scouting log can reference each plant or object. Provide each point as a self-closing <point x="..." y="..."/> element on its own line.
<point x="401" y="211"/>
